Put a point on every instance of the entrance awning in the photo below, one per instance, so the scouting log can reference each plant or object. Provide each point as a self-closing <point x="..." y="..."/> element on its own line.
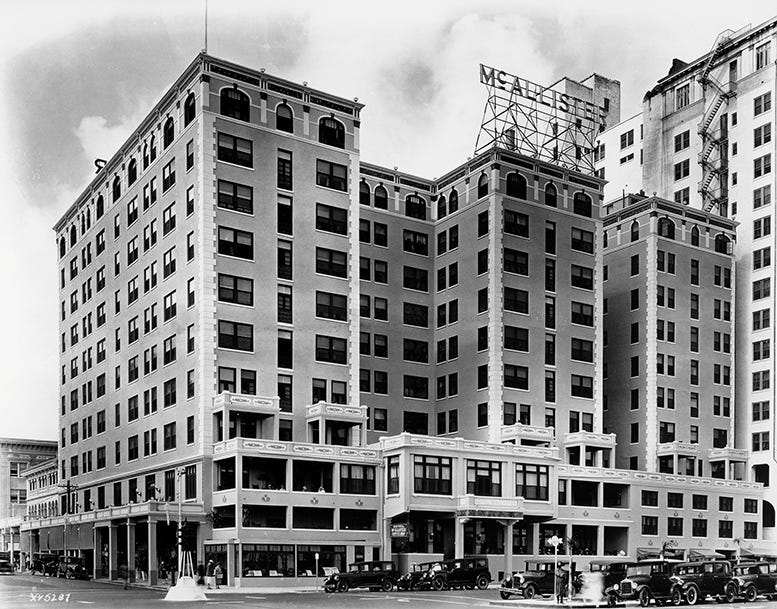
<point x="704" y="554"/>
<point x="674" y="553"/>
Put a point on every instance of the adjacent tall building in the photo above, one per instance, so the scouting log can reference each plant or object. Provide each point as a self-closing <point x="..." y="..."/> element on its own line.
<point x="705" y="139"/>
<point x="265" y="330"/>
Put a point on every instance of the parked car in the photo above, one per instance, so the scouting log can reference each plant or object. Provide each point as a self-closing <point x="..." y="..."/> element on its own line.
<point x="754" y="579"/>
<point x="649" y="579"/>
<point x="695" y="581"/>
<point x="44" y="563"/>
<point x="72" y="567"/>
<point x="6" y="564"/>
<point x="374" y="574"/>
<point x="411" y="579"/>
<point x="467" y="573"/>
<point x="611" y="574"/>
<point x="539" y="578"/>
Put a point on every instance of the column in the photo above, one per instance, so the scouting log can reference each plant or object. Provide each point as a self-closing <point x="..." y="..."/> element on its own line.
<point x="113" y="551"/>
<point x="96" y="552"/>
<point x="130" y="550"/>
<point x="600" y="540"/>
<point x="386" y="541"/>
<point x="508" y="524"/>
<point x="458" y="537"/>
<point x="153" y="559"/>
<point x="229" y="568"/>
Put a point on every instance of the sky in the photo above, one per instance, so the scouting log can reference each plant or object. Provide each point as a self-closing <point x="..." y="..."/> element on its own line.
<point x="77" y="77"/>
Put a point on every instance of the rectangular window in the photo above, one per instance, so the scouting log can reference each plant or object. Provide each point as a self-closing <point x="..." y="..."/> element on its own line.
<point x="432" y="475"/>
<point x="582" y="277"/>
<point x="234" y="335"/>
<point x="235" y="150"/>
<point x="235" y="197"/>
<point x="331" y="262"/>
<point x="516" y="262"/>
<point x="236" y="243"/>
<point x="331" y="219"/>
<point x="331" y="175"/>
<point x="237" y="290"/>
<point x="331" y="349"/>
<point x="484" y="478"/>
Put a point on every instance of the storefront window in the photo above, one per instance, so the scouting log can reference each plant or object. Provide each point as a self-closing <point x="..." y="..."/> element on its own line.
<point x="329" y="556"/>
<point x="265" y="560"/>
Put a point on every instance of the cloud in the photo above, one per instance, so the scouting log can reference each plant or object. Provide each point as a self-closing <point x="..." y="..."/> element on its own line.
<point x="98" y="139"/>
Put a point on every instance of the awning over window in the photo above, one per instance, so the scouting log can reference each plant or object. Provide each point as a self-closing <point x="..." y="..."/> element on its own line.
<point x="704" y="553"/>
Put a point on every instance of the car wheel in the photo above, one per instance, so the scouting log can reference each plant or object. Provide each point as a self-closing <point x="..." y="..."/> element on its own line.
<point x="644" y="597"/>
<point x="611" y="600"/>
<point x="69" y="574"/>
<point x="387" y="585"/>
<point x="504" y="594"/>
<point x="529" y="592"/>
<point x="751" y="594"/>
<point x="730" y="592"/>
<point x="329" y="590"/>
<point x="342" y="586"/>
<point x="438" y="584"/>
<point x="692" y="595"/>
<point x="481" y="582"/>
<point x="677" y="596"/>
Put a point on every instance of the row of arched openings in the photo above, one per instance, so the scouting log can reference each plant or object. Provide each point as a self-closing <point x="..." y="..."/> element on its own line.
<point x="667" y="230"/>
<point x="237" y="104"/>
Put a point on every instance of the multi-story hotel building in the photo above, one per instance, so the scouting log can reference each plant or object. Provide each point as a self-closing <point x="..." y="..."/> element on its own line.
<point x="669" y="292"/>
<point x="17" y="457"/>
<point x="256" y="323"/>
<point x="707" y="140"/>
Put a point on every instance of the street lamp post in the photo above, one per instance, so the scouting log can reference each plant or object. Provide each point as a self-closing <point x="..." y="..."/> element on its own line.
<point x="555" y="541"/>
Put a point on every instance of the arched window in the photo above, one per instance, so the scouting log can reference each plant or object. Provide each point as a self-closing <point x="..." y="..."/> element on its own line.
<point x="415" y="207"/>
<point x="482" y="185"/>
<point x="453" y="201"/>
<point x="768" y="517"/>
<point x="516" y="185"/>
<point x="132" y="172"/>
<point x="235" y="103"/>
<point x="634" y="230"/>
<point x="722" y="244"/>
<point x="665" y="228"/>
<point x="581" y="205"/>
<point x="152" y="147"/>
<point x="88" y="218"/>
<point x="364" y="193"/>
<point x="331" y="132"/>
<point x="100" y="207"/>
<point x="604" y="239"/>
<point x="381" y="197"/>
<point x="284" y="118"/>
<point x="83" y="224"/>
<point x="188" y="109"/>
<point x="146" y="158"/>
<point x="116" y="189"/>
<point x="61" y="247"/>
<point x="695" y="235"/>
<point x="551" y="194"/>
<point x="168" y="132"/>
<point x="442" y="207"/>
<point x="73" y="235"/>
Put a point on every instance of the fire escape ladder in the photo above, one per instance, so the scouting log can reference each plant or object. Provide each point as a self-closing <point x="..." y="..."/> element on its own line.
<point x="715" y="94"/>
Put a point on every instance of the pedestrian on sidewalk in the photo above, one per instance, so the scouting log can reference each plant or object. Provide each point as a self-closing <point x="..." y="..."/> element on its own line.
<point x="209" y="574"/>
<point x="217" y="574"/>
<point x="561" y="584"/>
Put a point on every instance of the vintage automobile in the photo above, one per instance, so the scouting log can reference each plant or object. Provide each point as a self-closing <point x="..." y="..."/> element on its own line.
<point x="6" y="564"/>
<point x="44" y="563"/>
<point x="374" y="574"/>
<point x="754" y="579"/>
<point x="649" y="579"/>
<point x="467" y="573"/>
<point x="539" y="578"/>
<point x="609" y="574"/>
<point x="695" y="581"/>
<point x="411" y="579"/>
<point x="72" y="567"/>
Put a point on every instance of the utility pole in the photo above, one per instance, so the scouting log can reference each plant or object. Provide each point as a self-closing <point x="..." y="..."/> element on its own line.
<point x="69" y="505"/>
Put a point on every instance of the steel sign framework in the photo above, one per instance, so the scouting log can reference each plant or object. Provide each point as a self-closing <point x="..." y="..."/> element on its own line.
<point x="537" y="121"/>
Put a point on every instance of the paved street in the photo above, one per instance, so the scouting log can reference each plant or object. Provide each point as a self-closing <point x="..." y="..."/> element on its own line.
<point x="21" y="591"/>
